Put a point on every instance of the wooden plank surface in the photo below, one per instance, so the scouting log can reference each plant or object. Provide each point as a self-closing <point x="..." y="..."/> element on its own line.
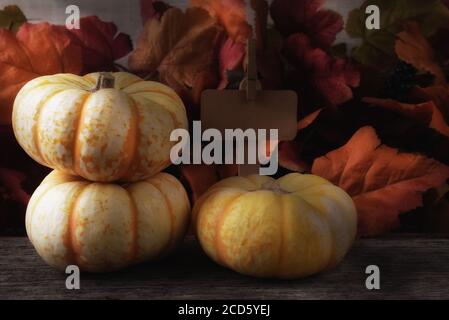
<point x="411" y="267"/>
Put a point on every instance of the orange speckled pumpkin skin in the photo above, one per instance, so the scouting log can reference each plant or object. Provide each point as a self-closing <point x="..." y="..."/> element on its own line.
<point x="120" y="133"/>
<point x="292" y="227"/>
<point x="103" y="226"/>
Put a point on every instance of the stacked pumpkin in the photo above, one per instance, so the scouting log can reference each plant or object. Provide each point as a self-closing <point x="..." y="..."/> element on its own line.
<point x="106" y="205"/>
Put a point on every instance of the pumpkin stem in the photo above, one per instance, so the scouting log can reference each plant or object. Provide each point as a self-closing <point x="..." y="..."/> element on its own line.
<point x="106" y="80"/>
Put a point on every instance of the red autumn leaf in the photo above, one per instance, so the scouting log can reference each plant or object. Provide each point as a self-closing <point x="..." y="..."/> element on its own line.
<point x="331" y="78"/>
<point x="412" y="47"/>
<point x="382" y="181"/>
<point x="307" y="16"/>
<point x="426" y="112"/>
<point x="101" y="44"/>
<point x="35" y="50"/>
<point x="230" y="13"/>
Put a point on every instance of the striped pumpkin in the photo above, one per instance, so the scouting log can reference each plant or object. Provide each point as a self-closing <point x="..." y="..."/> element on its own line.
<point x="104" y="227"/>
<point x="292" y="227"/>
<point x="102" y="127"/>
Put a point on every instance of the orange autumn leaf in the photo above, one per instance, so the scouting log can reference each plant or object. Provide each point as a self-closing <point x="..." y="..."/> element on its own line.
<point x="200" y="177"/>
<point x="182" y="48"/>
<point x="412" y="47"/>
<point x="426" y="112"/>
<point x="309" y="119"/>
<point x="230" y="13"/>
<point x="439" y="94"/>
<point x="290" y="151"/>
<point x="35" y="50"/>
<point x="382" y="181"/>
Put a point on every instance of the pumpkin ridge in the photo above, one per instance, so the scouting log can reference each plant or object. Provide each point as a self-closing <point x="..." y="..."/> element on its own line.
<point x="131" y="145"/>
<point x="69" y="241"/>
<point x="76" y="144"/>
<point x="176" y="102"/>
<point x="218" y="244"/>
<point x="32" y="206"/>
<point x="36" y="130"/>
<point x="134" y="228"/>
<point x="281" y="236"/>
<point x="170" y="242"/>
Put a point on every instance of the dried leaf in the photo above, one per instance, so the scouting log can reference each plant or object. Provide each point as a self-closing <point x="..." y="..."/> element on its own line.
<point x="230" y="57"/>
<point x="182" y="48"/>
<point x="426" y="112"/>
<point x="150" y="9"/>
<point x="382" y="182"/>
<point x="332" y="79"/>
<point x="438" y="94"/>
<point x="101" y="44"/>
<point x="230" y="13"/>
<point x="11" y="18"/>
<point x="199" y="178"/>
<point x="35" y="50"/>
<point x="412" y="47"/>
<point x="307" y="16"/>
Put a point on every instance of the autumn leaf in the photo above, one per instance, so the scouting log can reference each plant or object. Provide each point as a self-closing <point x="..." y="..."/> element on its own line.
<point x="101" y="44"/>
<point x="183" y="49"/>
<point x="426" y="113"/>
<point x="199" y="178"/>
<point x="439" y="94"/>
<point x="150" y="9"/>
<point x="11" y="18"/>
<point x="290" y="151"/>
<point x="377" y="48"/>
<point x="412" y="47"/>
<point x="35" y="50"/>
<point x="307" y="16"/>
<point x="230" y="13"/>
<point x="382" y="181"/>
<point x="230" y="57"/>
<point x="331" y="79"/>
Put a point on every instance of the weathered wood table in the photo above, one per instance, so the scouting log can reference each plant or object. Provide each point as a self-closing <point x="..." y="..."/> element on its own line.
<point x="411" y="266"/>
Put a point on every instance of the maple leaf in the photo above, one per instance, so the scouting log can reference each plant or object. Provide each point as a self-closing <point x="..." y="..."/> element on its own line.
<point x="11" y="18"/>
<point x="183" y="49"/>
<point x="412" y="47"/>
<point x="426" y="112"/>
<point x="382" y="182"/>
<point x="101" y="44"/>
<point x="35" y="50"/>
<point x="150" y="9"/>
<point x="377" y="48"/>
<point x="331" y="78"/>
<point x="307" y="16"/>
<point x="230" y="13"/>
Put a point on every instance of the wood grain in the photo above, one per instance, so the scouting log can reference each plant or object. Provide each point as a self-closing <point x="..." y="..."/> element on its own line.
<point x="415" y="267"/>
